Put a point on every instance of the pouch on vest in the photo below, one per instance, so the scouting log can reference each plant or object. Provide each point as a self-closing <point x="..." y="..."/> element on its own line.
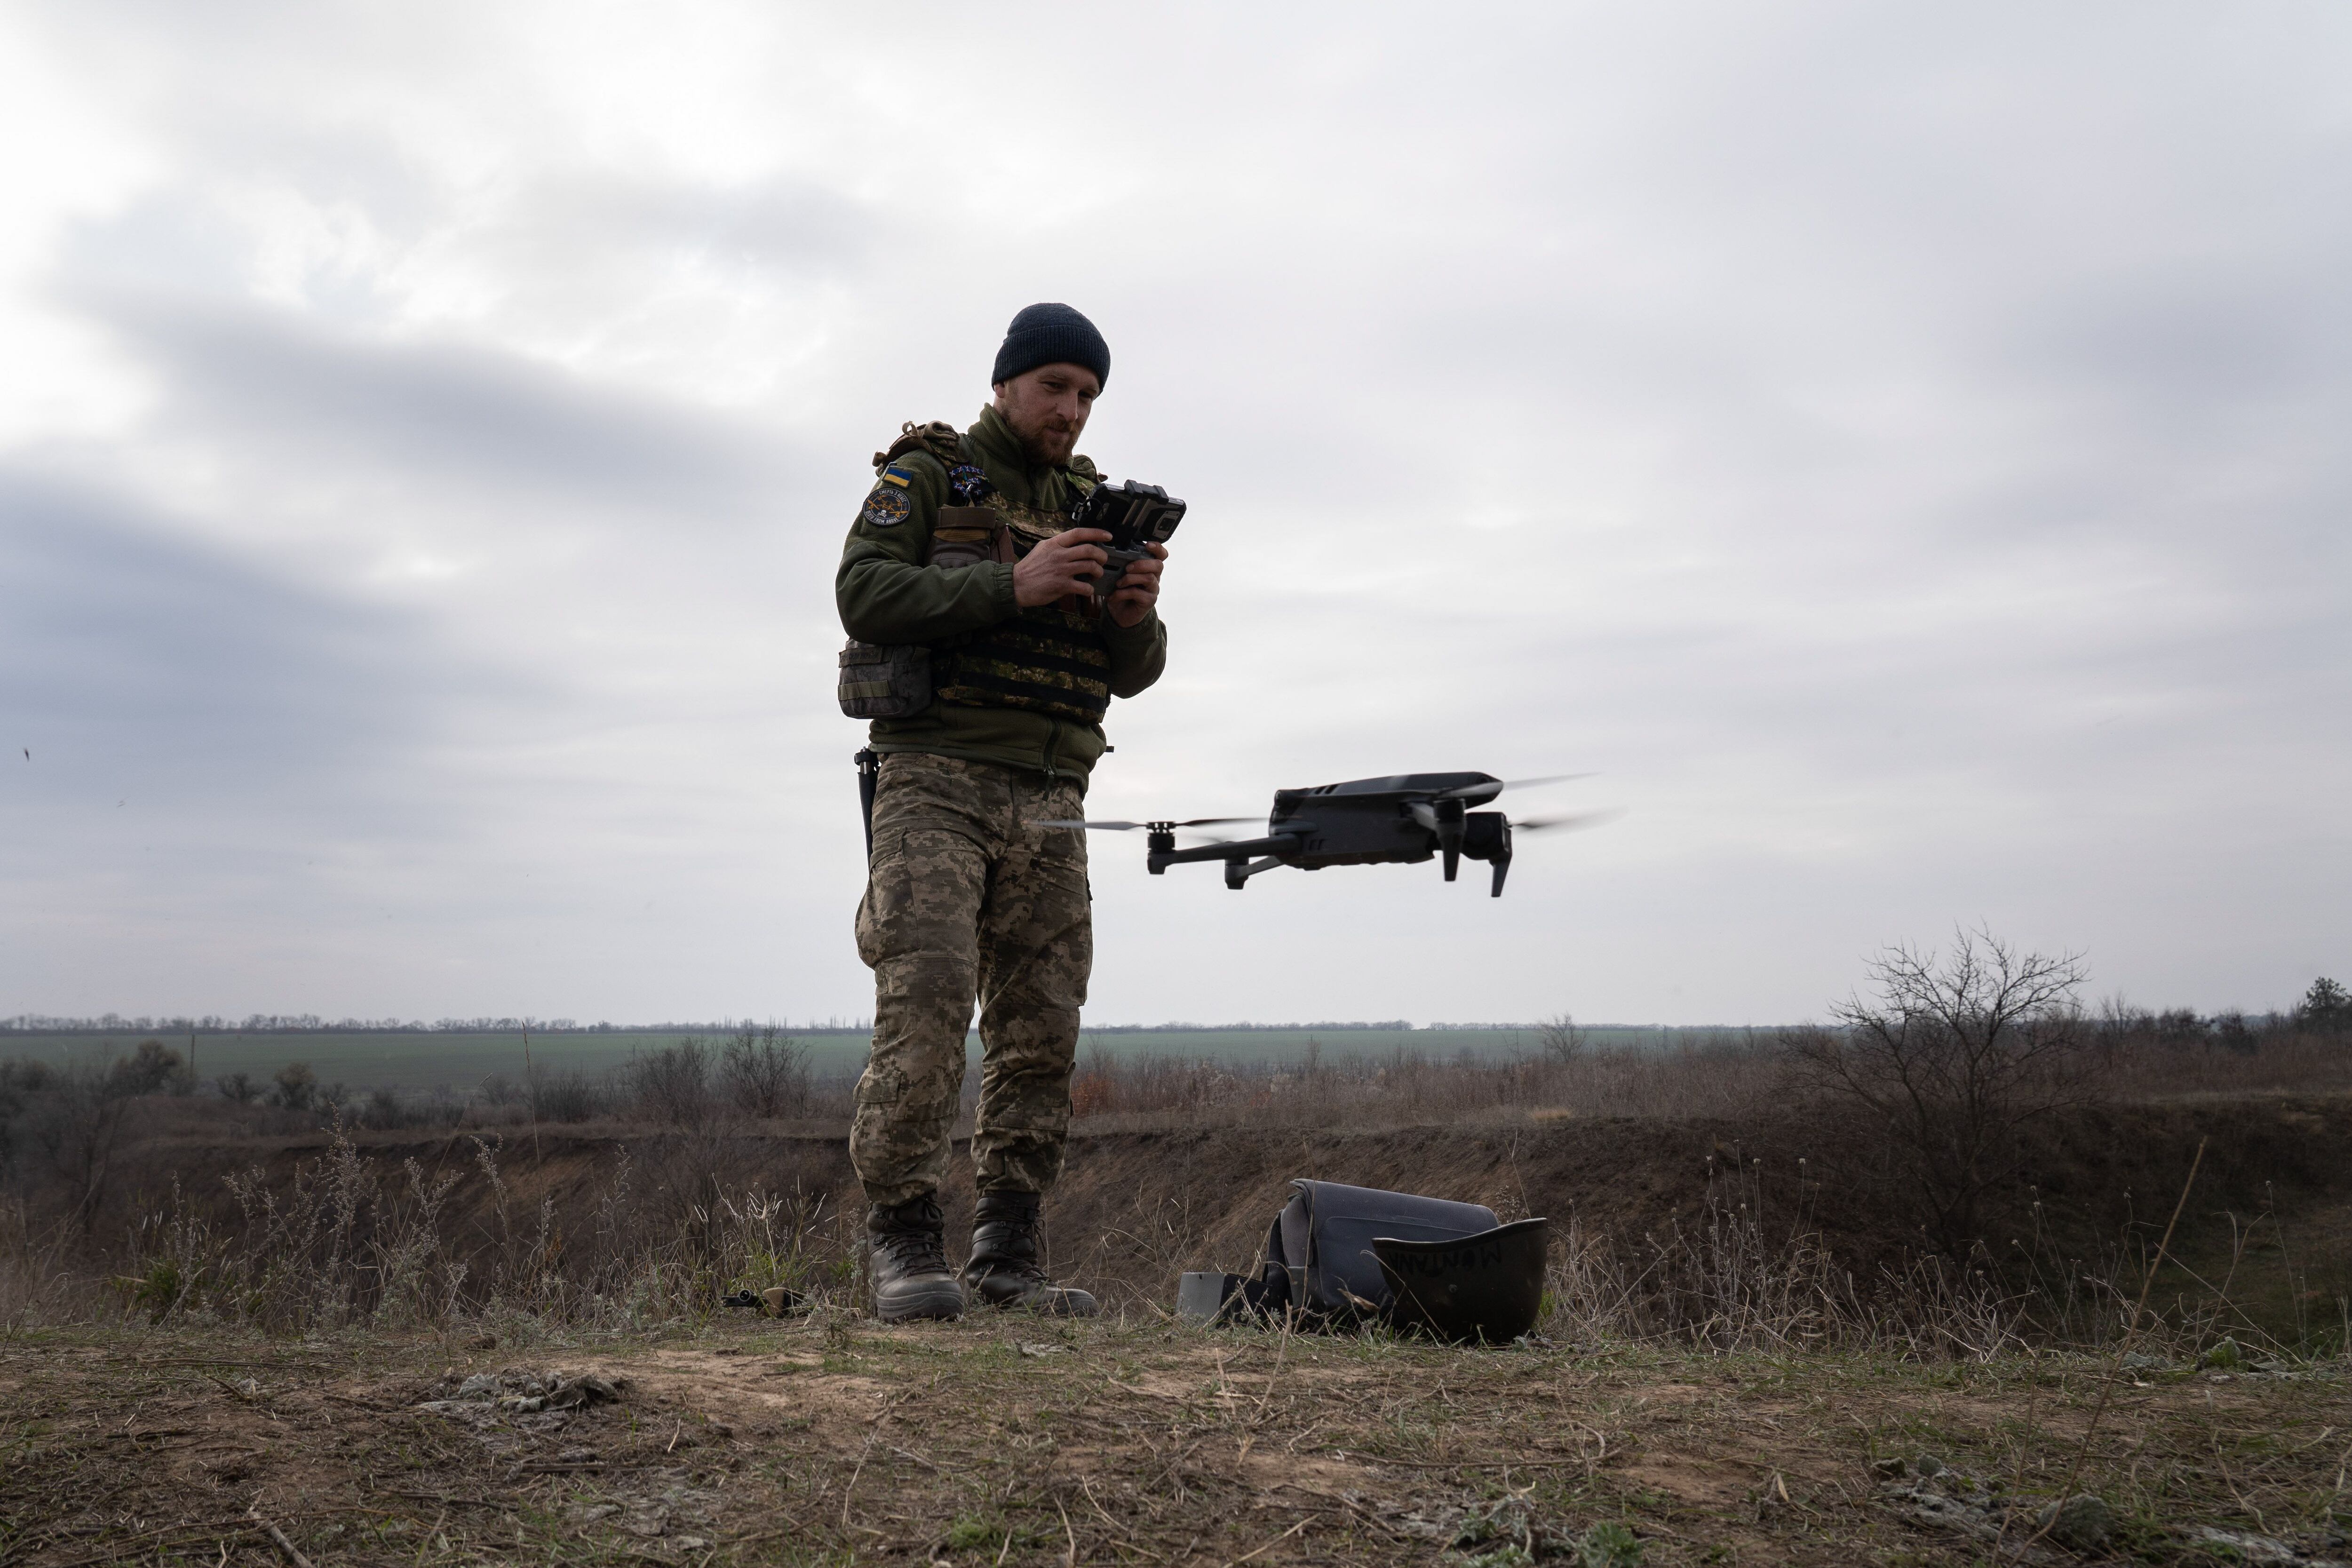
<point x="893" y="680"/>
<point x="970" y="536"/>
<point x="885" y="680"/>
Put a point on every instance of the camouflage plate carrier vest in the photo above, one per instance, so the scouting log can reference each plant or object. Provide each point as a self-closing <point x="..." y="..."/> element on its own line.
<point x="1048" y="658"/>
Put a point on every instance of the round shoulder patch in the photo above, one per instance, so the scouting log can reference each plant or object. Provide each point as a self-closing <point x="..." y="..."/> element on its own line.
<point x="885" y="507"/>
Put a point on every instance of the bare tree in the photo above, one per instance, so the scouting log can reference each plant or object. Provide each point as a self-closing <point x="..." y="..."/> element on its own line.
<point x="1562" y="1041"/>
<point x="1954" y="1054"/>
<point x="2325" y="1009"/>
<point x="673" y="1084"/>
<point x="765" y="1071"/>
<point x="71" y="1120"/>
<point x="153" y="1068"/>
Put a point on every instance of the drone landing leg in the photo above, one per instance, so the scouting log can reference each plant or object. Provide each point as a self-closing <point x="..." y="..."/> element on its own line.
<point x="1502" y="869"/>
<point x="1237" y="872"/>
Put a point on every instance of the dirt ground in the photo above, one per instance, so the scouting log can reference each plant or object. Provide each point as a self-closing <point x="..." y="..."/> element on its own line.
<point x="1008" y="1440"/>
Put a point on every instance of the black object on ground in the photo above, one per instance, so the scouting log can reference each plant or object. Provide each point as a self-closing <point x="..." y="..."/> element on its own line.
<point x="1338" y="1256"/>
<point x="1482" y="1288"/>
<point x="775" y="1300"/>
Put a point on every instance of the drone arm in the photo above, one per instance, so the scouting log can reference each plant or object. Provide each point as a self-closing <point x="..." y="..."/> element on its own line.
<point x="1280" y="845"/>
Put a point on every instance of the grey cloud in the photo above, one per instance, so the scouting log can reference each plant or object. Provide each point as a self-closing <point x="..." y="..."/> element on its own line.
<point x="2193" y="354"/>
<point x="272" y="383"/>
<point x="133" y="656"/>
<point x="791" y="225"/>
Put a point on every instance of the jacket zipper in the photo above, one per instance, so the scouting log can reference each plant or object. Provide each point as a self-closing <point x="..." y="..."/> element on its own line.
<point x="1053" y="744"/>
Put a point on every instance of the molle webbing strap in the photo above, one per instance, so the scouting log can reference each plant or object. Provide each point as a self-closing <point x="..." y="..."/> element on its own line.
<point x="1042" y="660"/>
<point x="938" y="438"/>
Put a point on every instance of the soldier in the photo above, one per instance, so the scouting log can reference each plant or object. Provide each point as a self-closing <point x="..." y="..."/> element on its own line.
<point x="963" y="569"/>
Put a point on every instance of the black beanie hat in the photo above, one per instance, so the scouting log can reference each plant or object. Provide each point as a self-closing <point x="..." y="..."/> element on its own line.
<point x="1050" y="334"/>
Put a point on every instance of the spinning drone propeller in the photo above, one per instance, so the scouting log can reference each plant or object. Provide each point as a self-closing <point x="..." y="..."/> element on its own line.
<point x="1445" y="812"/>
<point x="1466" y="791"/>
<point x="1577" y="819"/>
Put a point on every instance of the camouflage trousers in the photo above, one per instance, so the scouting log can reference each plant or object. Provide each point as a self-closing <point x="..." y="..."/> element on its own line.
<point x="964" y="901"/>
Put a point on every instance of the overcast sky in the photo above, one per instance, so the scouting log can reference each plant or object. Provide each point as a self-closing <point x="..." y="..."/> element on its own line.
<point x="1899" y="451"/>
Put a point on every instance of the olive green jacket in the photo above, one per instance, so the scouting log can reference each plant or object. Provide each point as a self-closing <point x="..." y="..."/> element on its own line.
<point x="887" y="594"/>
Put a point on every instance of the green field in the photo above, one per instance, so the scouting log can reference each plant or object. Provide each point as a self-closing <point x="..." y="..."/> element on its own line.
<point x="424" y="1060"/>
<point x="393" y="1059"/>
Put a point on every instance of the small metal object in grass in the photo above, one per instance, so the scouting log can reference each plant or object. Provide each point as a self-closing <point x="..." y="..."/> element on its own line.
<point x="775" y="1302"/>
<point x="1201" y="1298"/>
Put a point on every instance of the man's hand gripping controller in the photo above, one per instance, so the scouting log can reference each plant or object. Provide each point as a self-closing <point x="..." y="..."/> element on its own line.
<point x="1134" y="514"/>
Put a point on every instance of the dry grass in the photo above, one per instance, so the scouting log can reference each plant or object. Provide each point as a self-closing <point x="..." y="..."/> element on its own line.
<point x="1727" y="1079"/>
<point x="1012" y="1440"/>
<point x="620" y="1234"/>
<point x="346" y="1239"/>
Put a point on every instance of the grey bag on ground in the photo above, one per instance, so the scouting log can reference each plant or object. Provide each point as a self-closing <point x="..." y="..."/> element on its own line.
<point x="1339" y="1255"/>
<point x="1324" y="1237"/>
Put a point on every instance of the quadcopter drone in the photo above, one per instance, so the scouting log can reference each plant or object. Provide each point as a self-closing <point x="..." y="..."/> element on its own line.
<point x="1365" y="822"/>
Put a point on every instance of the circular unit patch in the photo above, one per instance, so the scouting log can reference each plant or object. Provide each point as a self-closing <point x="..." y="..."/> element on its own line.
<point x="887" y="507"/>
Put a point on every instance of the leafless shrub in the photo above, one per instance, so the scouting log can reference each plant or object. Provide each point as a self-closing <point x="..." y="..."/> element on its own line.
<point x="766" y="1072"/>
<point x="672" y="1086"/>
<point x="153" y="1068"/>
<point x="385" y="1109"/>
<point x="23" y="1077"/>
<point x="1952" y="1056"/>
<point x="60" y="1136"/>
<point x="570" y="1095"/>
<point x="1730" y="1280"/>
<point x="297" y="1087"/>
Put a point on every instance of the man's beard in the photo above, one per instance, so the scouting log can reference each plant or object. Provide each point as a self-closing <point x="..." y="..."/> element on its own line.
<point x="1047" y="448"/>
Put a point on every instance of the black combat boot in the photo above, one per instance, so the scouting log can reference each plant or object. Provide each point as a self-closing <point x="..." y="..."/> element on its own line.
<point x="1004" y="1271"/>
<point x="905" y="1247"/>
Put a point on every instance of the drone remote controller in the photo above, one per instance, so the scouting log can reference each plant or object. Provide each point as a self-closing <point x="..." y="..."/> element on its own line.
<point x="1134" y="514"/>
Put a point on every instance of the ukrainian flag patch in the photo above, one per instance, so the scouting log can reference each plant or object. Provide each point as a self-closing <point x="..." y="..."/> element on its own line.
<point x="900" y="475"/>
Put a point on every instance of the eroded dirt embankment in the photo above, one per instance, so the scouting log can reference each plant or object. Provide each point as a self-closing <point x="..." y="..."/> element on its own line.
<point x="1135" y="1207"/>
